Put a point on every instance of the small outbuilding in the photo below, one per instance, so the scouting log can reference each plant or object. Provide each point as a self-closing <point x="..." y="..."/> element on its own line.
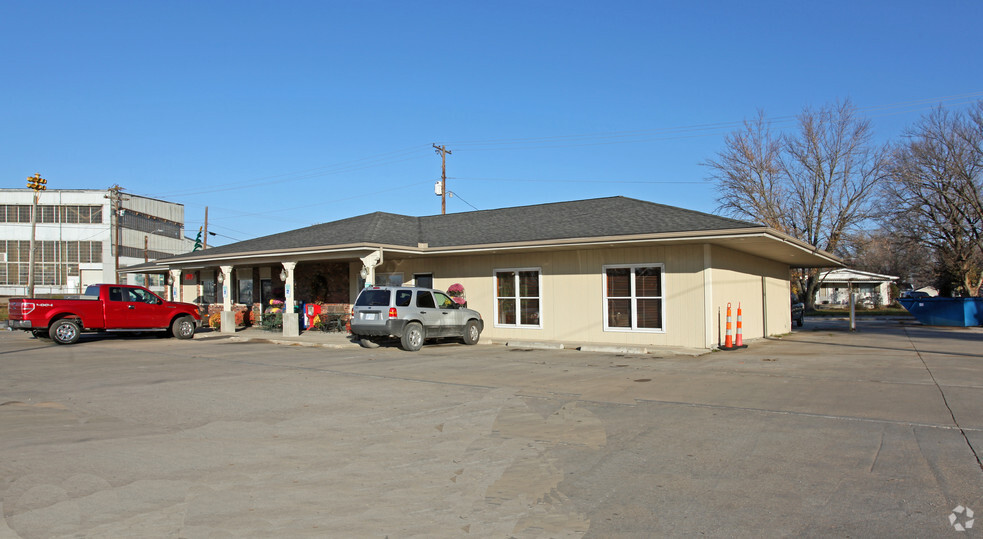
<point x="607" y="271"/>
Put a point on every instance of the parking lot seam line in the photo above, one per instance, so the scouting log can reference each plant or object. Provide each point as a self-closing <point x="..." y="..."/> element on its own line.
<point x="945" y="401"/>
<point x="811" y="414"/>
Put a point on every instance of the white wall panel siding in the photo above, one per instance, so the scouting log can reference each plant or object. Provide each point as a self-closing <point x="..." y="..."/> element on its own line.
<point x="158" y="208"/>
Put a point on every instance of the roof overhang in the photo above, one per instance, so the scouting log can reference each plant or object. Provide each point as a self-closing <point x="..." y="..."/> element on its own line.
<point x="760" y="241"/>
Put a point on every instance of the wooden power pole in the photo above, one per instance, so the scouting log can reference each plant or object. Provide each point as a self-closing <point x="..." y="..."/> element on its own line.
<point x="443" y="151"/>
<point x="115" y="197"/>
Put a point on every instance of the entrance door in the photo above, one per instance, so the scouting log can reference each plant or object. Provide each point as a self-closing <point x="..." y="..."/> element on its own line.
<point x="265" y="293"/>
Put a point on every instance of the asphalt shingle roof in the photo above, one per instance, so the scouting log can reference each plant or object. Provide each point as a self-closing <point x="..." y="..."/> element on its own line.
<point x="613" y="216"/>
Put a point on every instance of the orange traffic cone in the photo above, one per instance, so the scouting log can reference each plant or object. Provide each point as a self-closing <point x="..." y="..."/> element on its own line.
<point x="728" y="340"/>
<point x="739" y="341"/>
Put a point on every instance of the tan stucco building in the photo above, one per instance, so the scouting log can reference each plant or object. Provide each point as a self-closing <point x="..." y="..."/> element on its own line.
<point x="610" y="271"/>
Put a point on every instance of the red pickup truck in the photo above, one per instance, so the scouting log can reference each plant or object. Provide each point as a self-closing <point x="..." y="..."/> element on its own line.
<point x="103" y="307"/>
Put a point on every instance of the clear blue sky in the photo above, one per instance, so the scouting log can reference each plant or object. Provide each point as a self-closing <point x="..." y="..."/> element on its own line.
<point x="278" y="115"/>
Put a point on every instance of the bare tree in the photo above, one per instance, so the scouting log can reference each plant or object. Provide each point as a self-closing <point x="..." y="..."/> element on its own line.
<point x="815" y="184"/>
<point x="883" y="251"/>
<point x="937" y="191"/>
<point x="749" y="175"/>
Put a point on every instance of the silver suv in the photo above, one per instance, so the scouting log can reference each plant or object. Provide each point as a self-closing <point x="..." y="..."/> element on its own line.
<point x="412" y="315"/>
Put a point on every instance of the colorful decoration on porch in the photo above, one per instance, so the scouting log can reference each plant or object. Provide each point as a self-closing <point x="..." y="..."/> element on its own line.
<point x="276" y="305"/>
<point x="456" y="292"/>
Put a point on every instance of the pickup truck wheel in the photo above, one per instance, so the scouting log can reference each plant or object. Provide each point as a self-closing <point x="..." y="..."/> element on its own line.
<point x="65" y="331"/>
<point x="183" y="327"/>
<point x="471" y="333"/>
<point x="412" y="337"/>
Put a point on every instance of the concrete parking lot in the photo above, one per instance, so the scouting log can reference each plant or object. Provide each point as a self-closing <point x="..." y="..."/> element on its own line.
<point x="821" y="433"/>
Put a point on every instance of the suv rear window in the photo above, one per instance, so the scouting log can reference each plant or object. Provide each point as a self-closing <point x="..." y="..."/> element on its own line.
<point x="373" y="298"/>
<point x="403" y="298"/>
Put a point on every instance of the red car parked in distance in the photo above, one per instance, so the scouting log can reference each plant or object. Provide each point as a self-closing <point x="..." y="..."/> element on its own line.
<point x="103" y="307"/>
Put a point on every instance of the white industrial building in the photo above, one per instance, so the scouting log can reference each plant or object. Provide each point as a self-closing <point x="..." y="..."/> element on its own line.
<point x="76" y="236"/>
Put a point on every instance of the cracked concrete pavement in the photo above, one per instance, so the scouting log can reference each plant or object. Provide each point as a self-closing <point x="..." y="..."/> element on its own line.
<point x="821" y="433"/>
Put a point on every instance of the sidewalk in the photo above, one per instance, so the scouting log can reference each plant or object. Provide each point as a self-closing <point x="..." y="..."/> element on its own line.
<point x="341" y="339"/>
<point x="324" y="339"/>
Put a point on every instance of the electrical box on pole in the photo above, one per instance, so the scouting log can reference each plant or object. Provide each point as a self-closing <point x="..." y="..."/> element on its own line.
<point x="441" y="188"/>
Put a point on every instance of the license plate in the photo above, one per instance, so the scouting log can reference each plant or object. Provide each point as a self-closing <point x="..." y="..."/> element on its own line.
<point x="369" y="316"/>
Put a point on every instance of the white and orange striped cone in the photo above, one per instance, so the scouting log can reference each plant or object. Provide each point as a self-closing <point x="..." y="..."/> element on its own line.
<point x="729" y="339"/>
<point x="729" y="343"/>
<point x="739" y="340"/>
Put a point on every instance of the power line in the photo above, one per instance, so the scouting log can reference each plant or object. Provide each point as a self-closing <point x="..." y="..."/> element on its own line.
<point x="532" y="180"/>
<point x="691" y="131"/>
<point x="387" y="158"/>
<point x="331" y="201"/>
<point x="457" y="196"/>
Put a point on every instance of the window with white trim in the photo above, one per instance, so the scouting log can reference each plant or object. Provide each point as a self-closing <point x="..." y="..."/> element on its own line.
<point x="517" y="298"/>
<point x="634" y="298"/>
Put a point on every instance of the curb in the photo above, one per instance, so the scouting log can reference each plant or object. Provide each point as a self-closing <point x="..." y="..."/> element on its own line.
<point x="535" y="345"/>
<point x="608" y="349"/>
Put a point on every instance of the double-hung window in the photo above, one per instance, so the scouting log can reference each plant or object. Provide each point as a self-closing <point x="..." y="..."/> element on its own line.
<point x="517" y="298"/>
<point x="633" y="298"/>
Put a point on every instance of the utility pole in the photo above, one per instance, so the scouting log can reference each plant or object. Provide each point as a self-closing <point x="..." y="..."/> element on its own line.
<point x="204" y="237"/>
<point x="443" y="151"/>
<point x="146" y="258"/>
<point x="115" y="197"/>
<point x="38" y="184"/>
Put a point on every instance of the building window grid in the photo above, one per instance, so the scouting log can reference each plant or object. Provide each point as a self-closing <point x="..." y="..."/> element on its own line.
<point x="68" y="214"/>
<point x="518" y="298"/>
<point x="635" y="305"/>
<point x="54" y="262"/>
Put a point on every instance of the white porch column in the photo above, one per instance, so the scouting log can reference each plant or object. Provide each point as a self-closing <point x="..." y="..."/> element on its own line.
<point x="228" y="317"/>
<point x="174" y="284"/>
<point x="291" y="319"/>
<point x="369" y="263"/>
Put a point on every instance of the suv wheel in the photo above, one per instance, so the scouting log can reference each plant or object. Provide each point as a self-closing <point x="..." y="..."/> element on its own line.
<point x="412" y="337"/>
<point x="471" y="333"/>
<point x="366" y="342"/>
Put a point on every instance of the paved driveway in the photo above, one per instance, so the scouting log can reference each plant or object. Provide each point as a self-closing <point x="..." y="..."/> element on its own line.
<point x="822" y="433"/>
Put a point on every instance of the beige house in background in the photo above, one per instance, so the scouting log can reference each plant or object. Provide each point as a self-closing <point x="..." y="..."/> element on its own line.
<point x="608" y="271"/>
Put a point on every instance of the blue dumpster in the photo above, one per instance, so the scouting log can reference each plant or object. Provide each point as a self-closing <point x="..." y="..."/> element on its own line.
<point x="962" y="312"/>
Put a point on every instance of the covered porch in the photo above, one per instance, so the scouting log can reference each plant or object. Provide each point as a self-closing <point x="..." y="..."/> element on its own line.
<point x="289" y="295"/>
